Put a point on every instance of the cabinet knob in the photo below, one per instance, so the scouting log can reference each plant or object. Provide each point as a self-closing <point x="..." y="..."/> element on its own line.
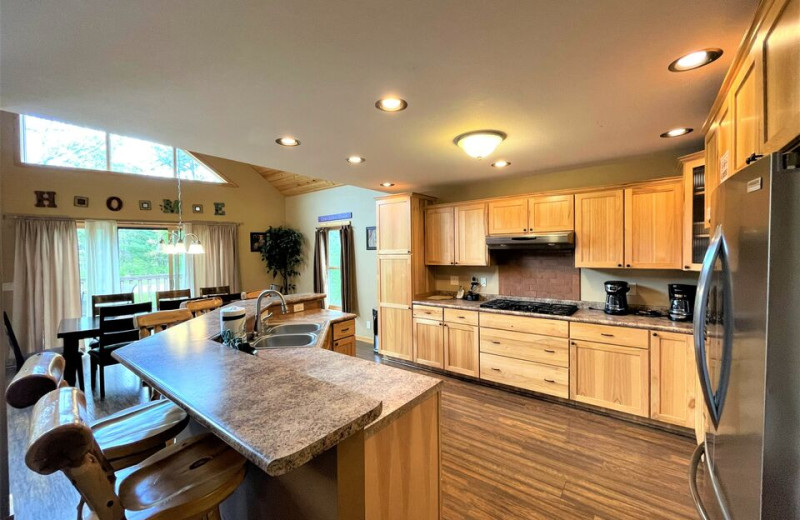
<point x="686" y="267"/>
<point x="526" y="229"/>
<point x="753" y="158"/>
<point x="619" y="265"/>
<point x="655" y="334"/>
<point x="627" y="265"/>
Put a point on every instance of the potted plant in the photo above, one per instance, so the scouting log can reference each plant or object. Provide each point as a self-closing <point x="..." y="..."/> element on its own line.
<point x="282" y="253"/>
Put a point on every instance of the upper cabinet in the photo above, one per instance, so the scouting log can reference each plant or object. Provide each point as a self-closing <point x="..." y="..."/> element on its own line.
<point x="508" y="216"/>
<point x="695" y="230"/>
<point x="746" y="115"/>
<point x="456" y="235"/>
<point x="653" y="225"/>
<point x="394" y="225"/>
<point x="599" y="221"/>
<point x="551" y="213"/>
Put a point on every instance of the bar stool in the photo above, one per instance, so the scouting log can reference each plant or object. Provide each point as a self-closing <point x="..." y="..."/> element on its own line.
<point x="126" y="437"/>
<point x="198" y="307"/>
<point x="185" y="481"/>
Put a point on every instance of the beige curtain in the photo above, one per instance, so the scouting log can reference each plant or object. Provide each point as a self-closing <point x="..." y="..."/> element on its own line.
<point x="47" y="284"/>
<point x="220" y="263"/>
<point x="320" y="256"/>
<point x="348" y="267"/>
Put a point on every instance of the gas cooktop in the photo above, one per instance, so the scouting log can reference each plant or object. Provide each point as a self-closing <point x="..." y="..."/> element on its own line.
<point x="555" y="309"/>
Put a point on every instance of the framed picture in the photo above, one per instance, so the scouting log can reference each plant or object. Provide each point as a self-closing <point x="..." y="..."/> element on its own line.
<point x="81" y="202"/>
<point x="257" y="241"/>
<point x="372" y="238"/>
<point x="145" y="205"/>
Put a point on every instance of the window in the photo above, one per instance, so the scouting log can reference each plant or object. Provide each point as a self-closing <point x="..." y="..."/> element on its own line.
<point x="51" y="143"/>
<point x="334" y="264"/>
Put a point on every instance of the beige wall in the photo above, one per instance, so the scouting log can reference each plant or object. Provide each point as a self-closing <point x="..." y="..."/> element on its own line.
<point x="301" y="214"/>
<point x="252" y="202"/>
<point x="651" y="285"/>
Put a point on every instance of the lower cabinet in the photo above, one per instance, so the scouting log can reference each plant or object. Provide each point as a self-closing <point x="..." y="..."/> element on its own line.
<point x="525" y="374"/>
<point x="610" y="376"/>
<point x="395" y="331"/>
<point x="429" y="342"/>
<point x="343" y="337"/>
<point x="461" y="349"/>
<point x="673" y="379"/>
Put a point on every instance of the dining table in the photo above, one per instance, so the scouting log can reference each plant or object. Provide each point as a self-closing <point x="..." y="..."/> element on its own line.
<point x="71" y="331"/>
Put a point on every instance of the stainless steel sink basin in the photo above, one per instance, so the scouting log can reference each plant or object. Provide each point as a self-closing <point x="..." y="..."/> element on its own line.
<point x="292" y="328"/>
<point x="285" y="341"/>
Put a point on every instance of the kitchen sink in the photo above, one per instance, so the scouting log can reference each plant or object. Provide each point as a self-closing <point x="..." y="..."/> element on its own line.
<point x="285" y="341"/>
<point x="293" y="328"/>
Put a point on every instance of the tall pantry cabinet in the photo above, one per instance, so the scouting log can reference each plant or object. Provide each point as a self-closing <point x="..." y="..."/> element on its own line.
<point x="401" y="269"/>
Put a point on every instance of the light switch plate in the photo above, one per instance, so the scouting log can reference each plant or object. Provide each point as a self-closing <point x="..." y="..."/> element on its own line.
<point x="454" y="280"/>
<point x="633" y="288"/>
<point x="368" y="324"/>
<point x="483" y="281"/>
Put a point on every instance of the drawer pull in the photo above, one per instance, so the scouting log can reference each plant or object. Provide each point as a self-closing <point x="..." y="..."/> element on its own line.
<point x="496" y="369"/>
<point x="345" y="330"/>
<point x="549" y="380"/>
<point x="606" y="335"/>
<point x="462" y="317"/>
<point x="549" y="351"/>
<point x="495" y="342"/>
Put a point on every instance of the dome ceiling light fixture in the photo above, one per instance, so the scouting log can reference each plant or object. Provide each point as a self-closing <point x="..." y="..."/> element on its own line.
<point x="480" y="143"/>
<point x="287" y="141"/>
<point x="676" y="132"/>
<point x="695" y="60"/>
<point x="391" y="104"/>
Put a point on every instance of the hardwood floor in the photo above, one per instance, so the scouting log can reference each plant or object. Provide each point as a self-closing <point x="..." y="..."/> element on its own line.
<point x="504" y="456"/>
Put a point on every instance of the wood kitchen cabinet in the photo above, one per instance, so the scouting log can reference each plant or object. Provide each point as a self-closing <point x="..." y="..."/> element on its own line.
<point x="508" y="216"/>
<point x="461" y="348"/>
<point x="653" y="225"/>
<point x="395" y="328"/>
<point x="673" y="379"/>
<point x="746" y="114"/>
<point x="551" y="213"/>
<point x="429" y="342"/>
<point x="456" y="235"/>
<point x="440" y="237"/>
<point x="394" y="225"/>
<point x="446" y="339"/>
<point x="695" y="228"/>
<point x="599" y="224"/>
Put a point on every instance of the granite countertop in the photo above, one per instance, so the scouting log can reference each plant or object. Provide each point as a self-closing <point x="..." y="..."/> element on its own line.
<point x="583" y="315"/>
<point x="283" y="407"/>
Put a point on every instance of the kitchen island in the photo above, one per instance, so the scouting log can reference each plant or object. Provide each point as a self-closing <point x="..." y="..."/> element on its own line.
<point x="327" y="435"/>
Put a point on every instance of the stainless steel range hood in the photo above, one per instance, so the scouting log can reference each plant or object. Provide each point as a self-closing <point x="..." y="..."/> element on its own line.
<point x="564" y="240"/>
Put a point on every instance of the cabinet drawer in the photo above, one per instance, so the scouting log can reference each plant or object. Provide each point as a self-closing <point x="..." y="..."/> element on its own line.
<point x="428" y="312"/>
<point x="541" y="326"/>
<point x="530" y="347"/>
<point x="525" y="374"/>
<point x="344" y="329"/>
<point x="345" y="346"/>
<point x="626" y="336"/>
<point x="459" y="316"/>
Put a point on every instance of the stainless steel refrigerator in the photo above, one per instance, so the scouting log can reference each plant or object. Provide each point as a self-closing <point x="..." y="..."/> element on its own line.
<point x="747" y="346"/>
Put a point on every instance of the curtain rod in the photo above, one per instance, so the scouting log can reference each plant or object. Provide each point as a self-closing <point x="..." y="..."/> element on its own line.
<point x="120" y="221"/>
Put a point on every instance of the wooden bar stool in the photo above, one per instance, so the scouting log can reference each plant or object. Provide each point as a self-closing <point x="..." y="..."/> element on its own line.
<point x="161" y="320"/>
<point x="185" y="481"/>
<point x="202" y="306"/>
<point x="126" y="437"/>
<point x="213" y="291"/>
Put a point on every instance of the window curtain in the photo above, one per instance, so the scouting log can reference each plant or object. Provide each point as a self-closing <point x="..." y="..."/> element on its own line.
<point x="46" y="280"/>
<point x="320" y="263"/>
<point x="102" y="261"/>
<point x="348" y="268"/>
<point x="219" y="264"/>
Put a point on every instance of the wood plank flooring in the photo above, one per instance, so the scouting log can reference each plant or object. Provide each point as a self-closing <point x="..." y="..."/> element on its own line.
<point x="504" y="456"/>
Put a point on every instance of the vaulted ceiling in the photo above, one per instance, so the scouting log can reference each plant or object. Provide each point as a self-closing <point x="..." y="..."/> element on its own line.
<point x="570" y="82"/>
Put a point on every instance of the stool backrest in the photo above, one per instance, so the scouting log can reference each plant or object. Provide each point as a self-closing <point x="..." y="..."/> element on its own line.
<point x="220" y="289"/>
<point x="177" y="293"/>
<point x="41" y="373"/>
<point x="160" y="320"/>
<point x="117" y="322"/>
<point x="99" y="299"/>
<point x="251" y="295"/>
<point x="60" y="439"/>
<point x="198" y="307"/>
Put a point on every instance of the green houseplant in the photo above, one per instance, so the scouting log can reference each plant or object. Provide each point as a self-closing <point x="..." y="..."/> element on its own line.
<point x="282" y="253"/>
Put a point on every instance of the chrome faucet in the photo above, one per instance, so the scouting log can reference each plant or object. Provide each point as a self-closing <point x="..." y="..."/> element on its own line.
<point x="262" y="323"/>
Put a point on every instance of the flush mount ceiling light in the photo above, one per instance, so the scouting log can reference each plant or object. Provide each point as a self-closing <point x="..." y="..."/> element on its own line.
<point x="287" y="141"/>
<point x="480" y="143"/>
<point x="387" y="184"/>
<point x="676" y="132"/>
<point x="502" y="163"/>
<point x="695" y="60"/>
<point x="355" y="159"/>
<point x="391" y="104"/>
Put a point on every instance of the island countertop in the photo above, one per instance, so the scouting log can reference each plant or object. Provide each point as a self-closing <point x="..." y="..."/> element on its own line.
<point x="283" y="407"/>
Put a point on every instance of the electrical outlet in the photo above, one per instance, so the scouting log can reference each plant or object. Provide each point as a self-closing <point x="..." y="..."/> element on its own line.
<point x="483" y="281"/>
<point x="368" y="324"/>
<point x="633" y="288"/>
<point x="454" y="280"/>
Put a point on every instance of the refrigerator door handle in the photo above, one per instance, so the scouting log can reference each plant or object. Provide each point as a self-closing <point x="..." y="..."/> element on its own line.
<point x="698" y="502"/>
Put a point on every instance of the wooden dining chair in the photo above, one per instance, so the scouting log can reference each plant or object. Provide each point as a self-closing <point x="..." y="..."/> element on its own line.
<point x="99" y="299"/>
<point x="213" y="291"/>
<point x="187" y="480"/>
<point x="117" y="329"/>
<point x="202" y="306"/>
<point x="160" y="320"/>
<point x="168" y="295"/>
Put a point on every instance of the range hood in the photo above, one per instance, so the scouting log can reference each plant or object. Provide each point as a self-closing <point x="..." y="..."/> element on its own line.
<point x="563" y="240"/>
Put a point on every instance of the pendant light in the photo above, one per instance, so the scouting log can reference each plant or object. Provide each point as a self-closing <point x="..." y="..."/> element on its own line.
<point x="176" y="240"/>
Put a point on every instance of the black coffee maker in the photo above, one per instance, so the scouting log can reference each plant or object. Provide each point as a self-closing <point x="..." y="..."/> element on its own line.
<point x="681" y="301"/>
<point x="616" y="299"/>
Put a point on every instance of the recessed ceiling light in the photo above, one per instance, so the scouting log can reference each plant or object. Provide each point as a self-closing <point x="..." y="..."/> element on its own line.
<point x="695" y="60"/>
<point x="502" y="163"/>
<point x="391" y="104"/>
<point x="387" y="184"/>
<point x="287" y="141"/>
<point x="480" y="143"/>
<point x="676" y="132"/>
<point x="355" y="159"/>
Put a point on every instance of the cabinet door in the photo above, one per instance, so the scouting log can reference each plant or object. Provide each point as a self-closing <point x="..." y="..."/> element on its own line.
<point x="673" y="379"/>
<point x="439" y="236"/>
<point x="653" y="226"/>
<point x="461" y="349"/>
<point x="429" y="342"/>
<point x="599" y="223"/>
<point x="780" y="73"/>
<point x="471" y="235"/>
<point x="746" y="115"/>
<point x="551" y="213"/>
<point x="610" y="376"/>
<point x="394" y="280"/>
<point x="695" y="234"/>
<point x="712" y="171"/>
<point x="395" y="332"/>
<point x="508" y="216"/>
<point x="345" y="346"/>
<point x="724" y="143"/>
<point x="394" y="226"/>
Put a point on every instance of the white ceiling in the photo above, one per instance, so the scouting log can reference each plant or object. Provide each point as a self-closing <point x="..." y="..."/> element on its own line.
<point x="571" y="82"/>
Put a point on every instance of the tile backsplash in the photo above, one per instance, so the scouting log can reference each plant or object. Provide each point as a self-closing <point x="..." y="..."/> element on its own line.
<point x="539" y="275"/>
